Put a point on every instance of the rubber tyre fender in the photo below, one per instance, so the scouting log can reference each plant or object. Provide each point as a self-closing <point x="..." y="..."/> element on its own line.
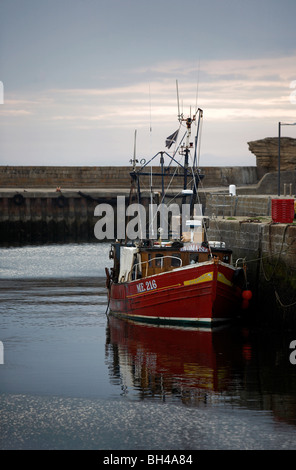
<point x="18" y="199"/>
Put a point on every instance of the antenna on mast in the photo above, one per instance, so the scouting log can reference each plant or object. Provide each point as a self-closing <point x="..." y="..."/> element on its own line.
<point x="178" y="101"/>
<point x="134" y="161"/>
<point x="135" y="145"/>
<point x="197" y="85"/>
<point x="150" y="128"/>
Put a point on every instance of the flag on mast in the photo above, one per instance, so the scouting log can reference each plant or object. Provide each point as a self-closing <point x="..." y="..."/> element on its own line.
<point x="171" y="139"/>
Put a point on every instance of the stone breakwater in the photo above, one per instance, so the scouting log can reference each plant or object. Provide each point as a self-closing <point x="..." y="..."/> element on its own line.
<point x="266" y="151"/>
<point x="116" y="177"/>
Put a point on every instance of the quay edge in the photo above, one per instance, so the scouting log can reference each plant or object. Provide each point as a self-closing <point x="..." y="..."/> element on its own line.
<point x="269" y="250"/>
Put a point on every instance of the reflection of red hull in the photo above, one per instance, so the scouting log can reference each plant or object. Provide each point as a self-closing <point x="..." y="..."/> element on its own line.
<point x="182" y="357"/>
<point x="203" y="293"/>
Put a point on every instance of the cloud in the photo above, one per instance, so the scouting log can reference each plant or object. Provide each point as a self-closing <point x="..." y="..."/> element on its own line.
<point x="227" y="89"/>
<point x="241" y="99"/>
<point x="15" y="112"/>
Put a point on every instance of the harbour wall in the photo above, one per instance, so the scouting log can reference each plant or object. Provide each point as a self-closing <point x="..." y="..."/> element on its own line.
<point x="116" y="177"/>
<point x="47" y="216"/>
<point x="32" y="210"/>
<point x="268" y="250"/>
<point x="32" y="216"/>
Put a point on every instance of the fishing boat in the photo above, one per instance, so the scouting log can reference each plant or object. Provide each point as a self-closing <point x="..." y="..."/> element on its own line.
<point x="175" y="276"/>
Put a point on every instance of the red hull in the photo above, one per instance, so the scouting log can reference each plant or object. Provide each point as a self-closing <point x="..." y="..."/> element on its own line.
<point x="202" y="294"/>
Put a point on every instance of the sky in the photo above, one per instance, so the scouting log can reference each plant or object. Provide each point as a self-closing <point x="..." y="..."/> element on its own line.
<point x="80" y="76"/>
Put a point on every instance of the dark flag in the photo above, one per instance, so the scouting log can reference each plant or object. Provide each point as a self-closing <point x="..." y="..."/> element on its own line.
<point x="171" y="139"/>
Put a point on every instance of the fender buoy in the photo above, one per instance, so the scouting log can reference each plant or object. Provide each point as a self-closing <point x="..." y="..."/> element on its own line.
<point x="60" y="201"/>
<point x="247" y="294"/>
<point x="18" y="199"/>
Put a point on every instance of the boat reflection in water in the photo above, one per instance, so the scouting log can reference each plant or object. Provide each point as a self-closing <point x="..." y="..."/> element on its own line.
<point x="188" y="364"/>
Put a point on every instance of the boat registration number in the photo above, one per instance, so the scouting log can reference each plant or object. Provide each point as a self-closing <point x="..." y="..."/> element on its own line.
<point x="146" y="286"/>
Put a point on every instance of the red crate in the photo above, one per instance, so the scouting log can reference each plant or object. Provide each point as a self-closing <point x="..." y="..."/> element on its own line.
<point x="282" y="210"/>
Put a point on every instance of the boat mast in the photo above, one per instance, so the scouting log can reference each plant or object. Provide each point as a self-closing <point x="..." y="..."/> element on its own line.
<point x="134" y="160"/>
<point x="184" y="147"/>
<point x="185" y="150"/>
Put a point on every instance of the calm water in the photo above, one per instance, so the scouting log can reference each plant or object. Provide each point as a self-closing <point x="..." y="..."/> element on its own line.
<point x="71" y="379"/>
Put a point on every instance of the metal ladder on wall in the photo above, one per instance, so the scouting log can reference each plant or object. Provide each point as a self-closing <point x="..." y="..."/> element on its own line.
<point x="216" y="206"/>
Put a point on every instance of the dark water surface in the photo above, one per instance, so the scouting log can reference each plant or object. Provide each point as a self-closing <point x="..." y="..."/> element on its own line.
<point x="71" y="379"/>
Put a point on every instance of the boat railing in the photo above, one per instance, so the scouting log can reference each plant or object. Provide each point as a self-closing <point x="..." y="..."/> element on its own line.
<point x="136" y="270"/>
<point x="240" y="260"/>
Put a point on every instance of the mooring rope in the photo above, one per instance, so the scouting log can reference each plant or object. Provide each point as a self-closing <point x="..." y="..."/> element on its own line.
<point x="278" y="258"/>
<point x="281" y="303"/>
